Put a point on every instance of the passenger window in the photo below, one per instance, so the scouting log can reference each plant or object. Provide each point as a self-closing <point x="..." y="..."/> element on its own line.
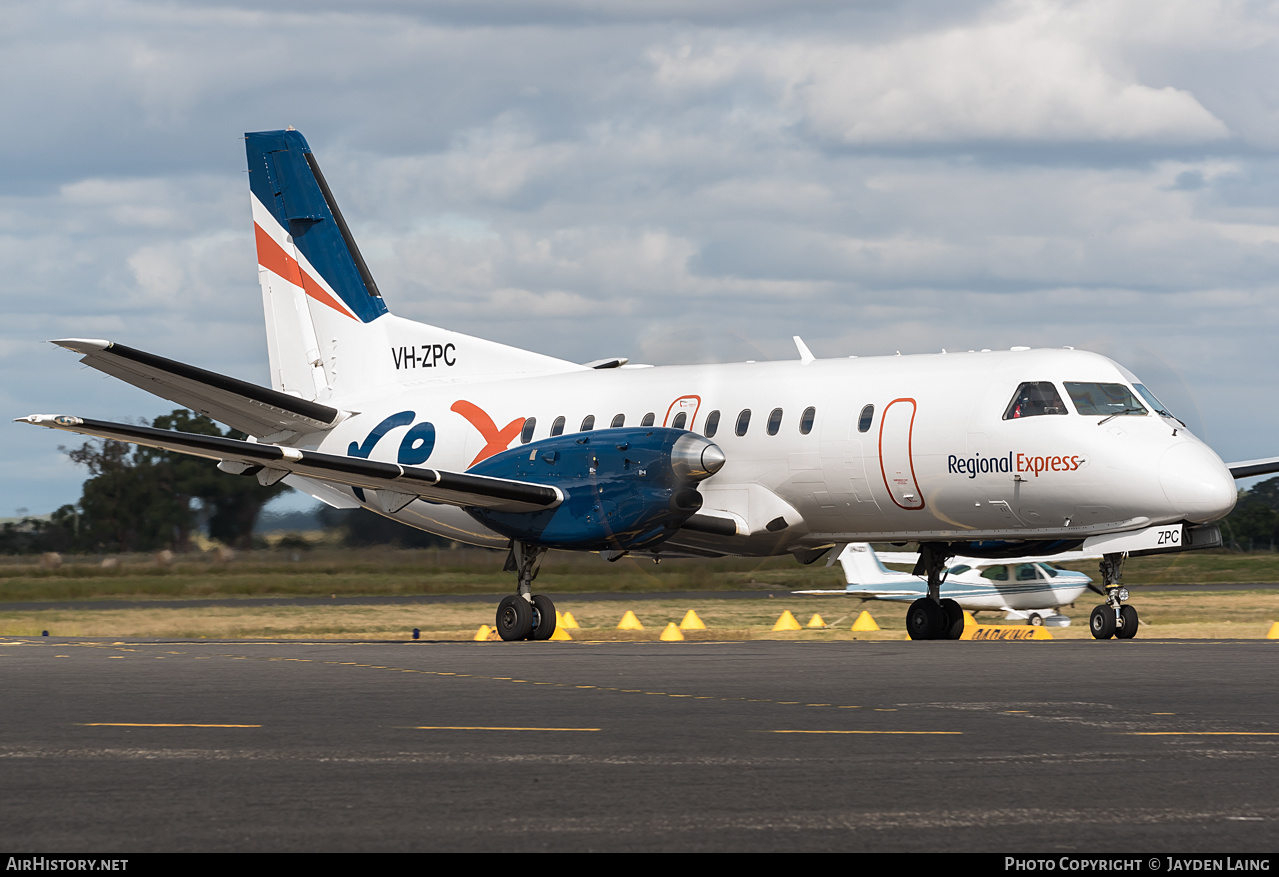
<point x="1025" y="572"/>
<point x="1034" y="398"/>
<point x="557" y="428"/>
<point x="680" y="420"/>
<point x="1104" y="399"/>
<point x="863" y="422"/>
<point x="996" y="574"/>
<point x="526" y="434"/>
<point x="619" y="420"/>
<point x="712" y="424"/>
<point x="774" y="421"/>
<point x="648" y="419"/>
<point x="806" y="421"/>
<point x="743" y="421"/>
<point x="960" y="569"/>
<point x="588" y="423"/>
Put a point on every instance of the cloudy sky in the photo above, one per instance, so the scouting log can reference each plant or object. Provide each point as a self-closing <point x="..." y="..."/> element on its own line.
<point x="669" y="181"/>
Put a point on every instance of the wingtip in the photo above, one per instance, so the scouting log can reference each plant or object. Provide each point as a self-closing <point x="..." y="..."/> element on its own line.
<point x="49" y="420"/>
<point x="82" y="345"/>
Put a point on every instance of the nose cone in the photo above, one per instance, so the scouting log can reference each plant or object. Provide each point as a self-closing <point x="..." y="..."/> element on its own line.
<point x="694" y="458"/>
<point x="1196" y="482"/>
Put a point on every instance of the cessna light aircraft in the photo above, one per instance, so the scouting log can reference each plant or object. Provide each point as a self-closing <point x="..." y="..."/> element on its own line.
<point x="1027" y="588"/>
<point x="1013" y="452"/>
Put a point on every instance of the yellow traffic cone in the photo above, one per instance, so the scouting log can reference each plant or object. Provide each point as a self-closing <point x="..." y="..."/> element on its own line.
<point x="786" y="621"/>
<point x="691" y="622"/>
<point x="570" y="622"/>
<point x="629" y="622"/>
<point x="671" y="633"/>
<point x="482" y="634"/>
<point x="561" y="634"/>
<point x="865" y="622"/>
<point x="1274" y="631"/>
<point x="816" y="621"/>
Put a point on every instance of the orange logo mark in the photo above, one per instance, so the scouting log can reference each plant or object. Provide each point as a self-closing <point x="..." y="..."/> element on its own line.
<point x="495" y="439"/>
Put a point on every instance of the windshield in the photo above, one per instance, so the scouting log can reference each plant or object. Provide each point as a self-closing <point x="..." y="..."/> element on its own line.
<point x="1153" y="402"/>
<point x="1107" y="400"/>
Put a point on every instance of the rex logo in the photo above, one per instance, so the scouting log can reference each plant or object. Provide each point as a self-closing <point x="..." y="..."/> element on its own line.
<point x="415" y="447"/>
<point x="495" y="440"/>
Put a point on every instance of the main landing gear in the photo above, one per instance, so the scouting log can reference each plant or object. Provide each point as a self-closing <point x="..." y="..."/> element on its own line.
<point x="932" y="617"/>
<point x="525" y="615"/>
<point x="1114" y="617"/>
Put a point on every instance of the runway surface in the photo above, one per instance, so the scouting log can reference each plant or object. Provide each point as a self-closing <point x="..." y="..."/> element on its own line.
<point x="1064" y="746"/>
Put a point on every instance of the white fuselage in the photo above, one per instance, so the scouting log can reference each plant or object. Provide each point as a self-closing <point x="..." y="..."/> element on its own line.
<point x="935" y="459"/>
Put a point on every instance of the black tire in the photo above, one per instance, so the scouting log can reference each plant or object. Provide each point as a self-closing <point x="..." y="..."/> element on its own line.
<point x="1035" y="620"/>
<point x="543" y="618"/>
<point x="1129" y="630"/>
<point x="1102" y="622"/>
<point x="954" y="624"/>
<point x="514" y="618"/>
<point x="925" y="619"/>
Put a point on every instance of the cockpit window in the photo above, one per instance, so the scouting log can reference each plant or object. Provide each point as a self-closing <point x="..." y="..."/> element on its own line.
<point x="1107" y="400"/>
<point x="1154" y="403"/>
<point x="1034" y="398"/>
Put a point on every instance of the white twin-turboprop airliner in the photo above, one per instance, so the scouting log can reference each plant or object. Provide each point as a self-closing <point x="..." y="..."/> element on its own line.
<point x="986" y="454"/>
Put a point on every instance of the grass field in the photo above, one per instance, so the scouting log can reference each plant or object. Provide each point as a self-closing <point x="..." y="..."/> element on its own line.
<point x="1207" y="614"/>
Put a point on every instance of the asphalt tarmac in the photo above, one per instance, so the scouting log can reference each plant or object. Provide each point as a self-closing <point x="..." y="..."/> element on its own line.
<point x="1135" y="747"/>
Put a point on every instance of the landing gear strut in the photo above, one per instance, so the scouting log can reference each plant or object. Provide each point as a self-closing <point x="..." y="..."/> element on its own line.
<point x="932" y="617"/>
<point x="1114" y="617"/>
<point x="525" y="615"/>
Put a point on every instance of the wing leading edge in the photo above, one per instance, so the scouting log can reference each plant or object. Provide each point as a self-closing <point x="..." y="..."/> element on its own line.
<point x="396" y="485"/>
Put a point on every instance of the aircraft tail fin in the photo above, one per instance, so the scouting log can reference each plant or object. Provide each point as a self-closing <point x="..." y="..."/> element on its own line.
<point x="863" y="567"/>
<point x="327" y="325"/>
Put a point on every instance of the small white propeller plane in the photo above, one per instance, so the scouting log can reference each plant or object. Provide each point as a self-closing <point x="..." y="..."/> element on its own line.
<point x="1017" y="452"/>
<point x="1027" y="588"/>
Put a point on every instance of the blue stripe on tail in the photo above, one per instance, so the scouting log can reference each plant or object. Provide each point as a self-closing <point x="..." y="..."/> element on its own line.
<point x="286" y="178"/>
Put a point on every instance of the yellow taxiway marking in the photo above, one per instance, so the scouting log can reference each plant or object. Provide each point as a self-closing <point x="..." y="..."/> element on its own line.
<point x="1203" y="733"/>
<point x="160" y="725"/>
<point x="866" y="732"/>
<point x="491" y="728"/>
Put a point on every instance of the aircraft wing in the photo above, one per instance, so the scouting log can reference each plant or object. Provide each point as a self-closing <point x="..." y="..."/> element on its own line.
<point x="396" y="485"/>
<point x="258" y="411"/>
<point x="1249" y="468"/>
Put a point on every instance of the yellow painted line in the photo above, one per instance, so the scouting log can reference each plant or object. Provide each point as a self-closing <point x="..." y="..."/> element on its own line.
<point x="159" y="725"/>
<point x="491" y="728"/>
<point x="866" y="732"/>
<point x="1204" y="733"/>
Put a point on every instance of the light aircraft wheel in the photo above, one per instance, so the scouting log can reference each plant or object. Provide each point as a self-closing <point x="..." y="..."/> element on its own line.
<point x="925" y="619"/>
<point x="1102" y="622"/>
<point x="1129" y="630"/>
<point x="515" y="618"/>
<point x="1035" y="620"/>
<point x="543" y="618"/>
<point x="953" y="626"/>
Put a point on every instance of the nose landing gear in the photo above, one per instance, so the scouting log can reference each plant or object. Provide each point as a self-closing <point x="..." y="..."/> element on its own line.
<point x="525" y="615"/>
<point x="932" y="617"/>
<point x="1114" y="617"/>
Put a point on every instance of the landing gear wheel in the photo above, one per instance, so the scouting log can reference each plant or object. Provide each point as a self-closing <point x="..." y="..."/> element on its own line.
<point x="1102" y="622"/>
<point x="515" y="618"/>
<point x="1035" y="620"/>
<point x="1128" y="616"/>
<point x="954" y="625"/>
<point x="543" y="618"/>
<point x="925" y="619"/>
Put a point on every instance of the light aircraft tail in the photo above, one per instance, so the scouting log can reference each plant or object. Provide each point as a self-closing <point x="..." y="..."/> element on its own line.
<point x="329" y="332"/>
<point x="863" y="567"/>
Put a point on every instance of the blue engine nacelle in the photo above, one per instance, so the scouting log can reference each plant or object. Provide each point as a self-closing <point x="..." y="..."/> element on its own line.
<point x="627" y="488"/>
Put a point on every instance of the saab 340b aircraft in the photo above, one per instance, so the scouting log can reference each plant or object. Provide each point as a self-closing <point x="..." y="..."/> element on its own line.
<point x="1015" y="452"/>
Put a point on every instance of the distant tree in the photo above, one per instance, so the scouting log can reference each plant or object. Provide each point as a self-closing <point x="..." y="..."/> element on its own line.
<point x="361" y="528"/>
<point x="1254" y="523"/>
<point x="142" y="499"/>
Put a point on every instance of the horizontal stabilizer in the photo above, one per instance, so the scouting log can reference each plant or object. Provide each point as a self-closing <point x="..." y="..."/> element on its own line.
<point x="257" y="411"/>
<point x="271" y="462"/>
